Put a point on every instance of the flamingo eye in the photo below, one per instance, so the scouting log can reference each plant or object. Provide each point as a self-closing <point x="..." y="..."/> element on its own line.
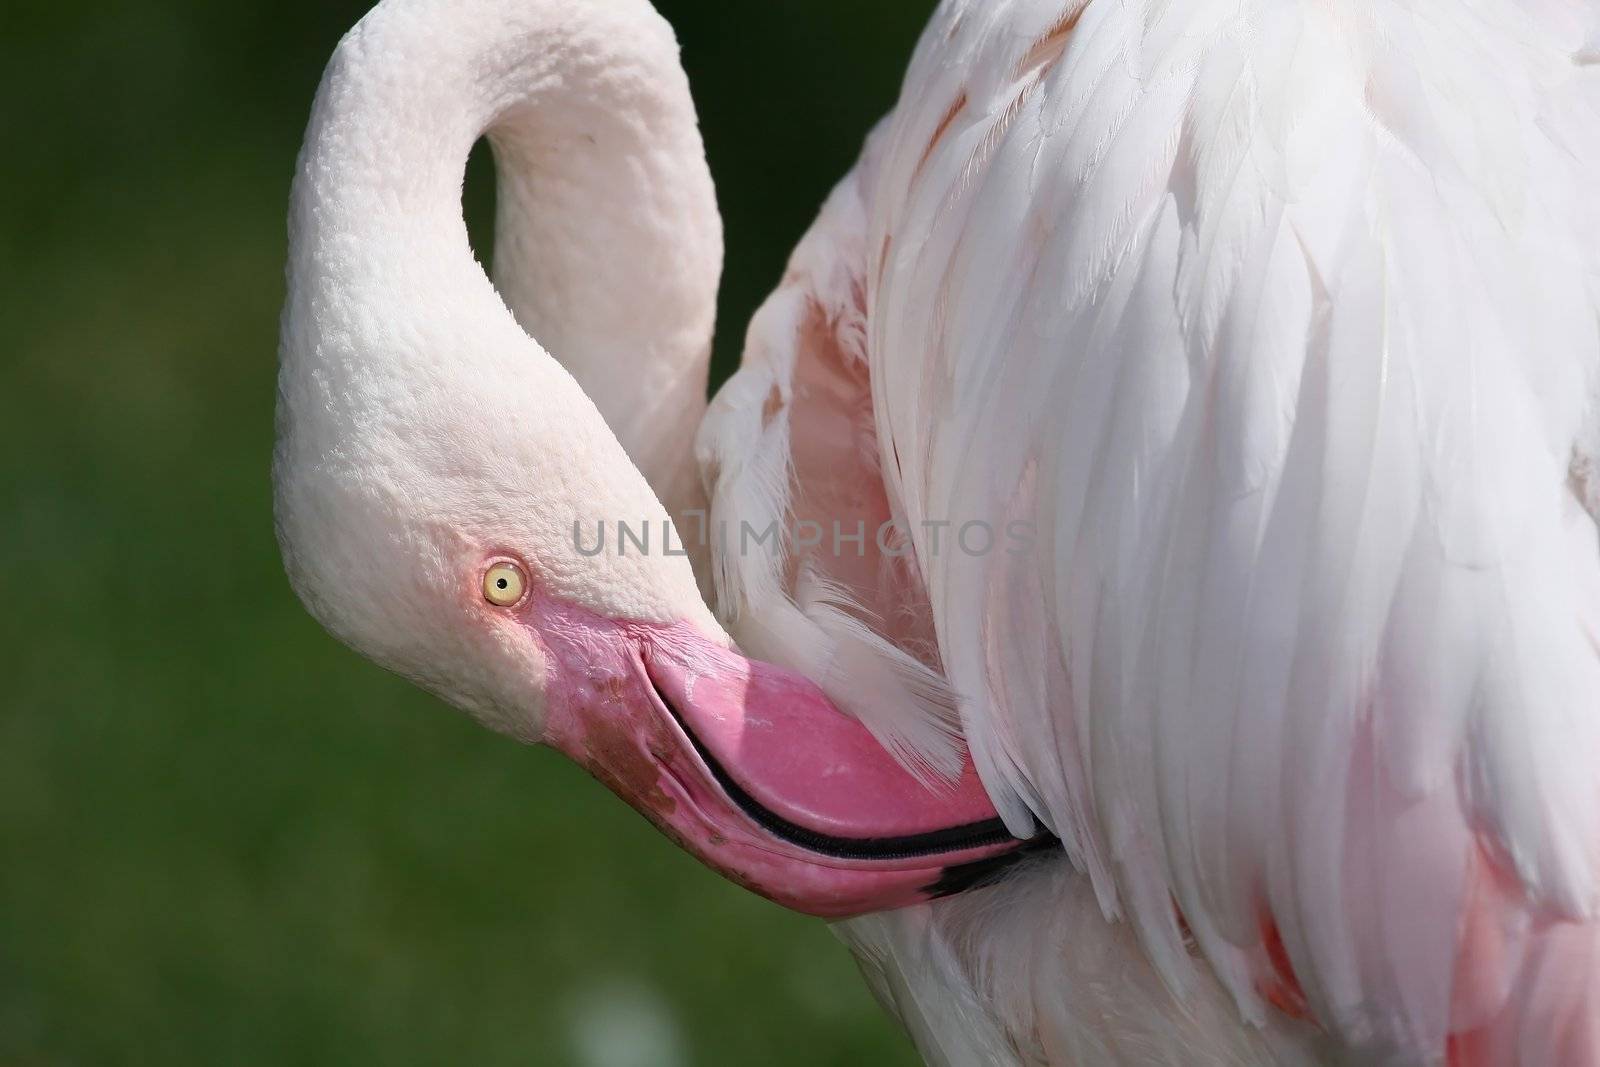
<point x="504" y="584"/>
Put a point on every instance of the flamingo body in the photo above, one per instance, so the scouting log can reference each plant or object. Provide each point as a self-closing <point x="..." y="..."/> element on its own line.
<point x="1277" y="326"/>
<point x="1193" y="411"/>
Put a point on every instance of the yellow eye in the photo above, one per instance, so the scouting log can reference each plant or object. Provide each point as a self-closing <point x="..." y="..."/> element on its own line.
<point x="504" y="584"/>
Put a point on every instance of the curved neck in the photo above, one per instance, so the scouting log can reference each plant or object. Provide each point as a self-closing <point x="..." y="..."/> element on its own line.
<point x="608" y="243"/>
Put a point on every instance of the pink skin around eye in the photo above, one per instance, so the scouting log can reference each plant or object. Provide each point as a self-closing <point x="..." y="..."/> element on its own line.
<point x="751" y="769"/>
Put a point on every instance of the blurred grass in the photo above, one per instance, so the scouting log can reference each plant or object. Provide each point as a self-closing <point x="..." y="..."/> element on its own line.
<point x="225" y="839"/>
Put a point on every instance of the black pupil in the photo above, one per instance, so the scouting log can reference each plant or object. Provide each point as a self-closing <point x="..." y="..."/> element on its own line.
<point x="502" y="583"/>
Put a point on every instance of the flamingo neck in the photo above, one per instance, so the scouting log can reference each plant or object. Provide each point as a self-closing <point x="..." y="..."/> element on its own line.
<point x="608" y="243"/>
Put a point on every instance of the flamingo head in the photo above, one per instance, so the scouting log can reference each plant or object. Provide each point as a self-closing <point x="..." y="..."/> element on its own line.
<point x="441" y="481"/>
<point x="448" y="531"/>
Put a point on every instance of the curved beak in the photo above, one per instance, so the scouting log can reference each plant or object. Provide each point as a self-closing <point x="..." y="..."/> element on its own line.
<point x="755" y="772"/>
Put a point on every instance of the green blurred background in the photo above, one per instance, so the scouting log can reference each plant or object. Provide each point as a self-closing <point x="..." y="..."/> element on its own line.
<point x="224" y="839"/>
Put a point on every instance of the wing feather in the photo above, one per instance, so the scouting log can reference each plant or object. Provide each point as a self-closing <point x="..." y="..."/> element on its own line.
<point x="792" y="472"/>
<point x="1277" y="326"/>
<point x="1259" y="346"/>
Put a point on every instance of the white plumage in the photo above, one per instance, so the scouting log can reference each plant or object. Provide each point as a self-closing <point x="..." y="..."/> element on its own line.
<point x="1278" y="323"/>
<point x="1257" y="340"/>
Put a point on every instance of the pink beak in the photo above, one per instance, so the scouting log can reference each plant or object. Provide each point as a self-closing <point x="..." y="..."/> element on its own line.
<point x="753" y="770"/>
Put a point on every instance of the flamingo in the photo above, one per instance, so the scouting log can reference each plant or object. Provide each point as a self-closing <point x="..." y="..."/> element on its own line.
<point x="1183" y="431"/>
